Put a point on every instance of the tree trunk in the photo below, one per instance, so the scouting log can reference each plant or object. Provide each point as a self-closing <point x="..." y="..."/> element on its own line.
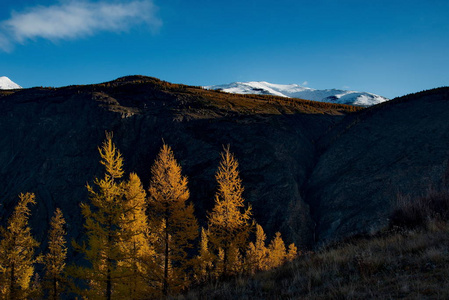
<point x="165" y="284"/>
<point x="225" y="262"/>
<point x="108" y="265"/>
<point x="55" y="288"/>
<point x="108" y="282"/>
<point x="12" y="292"/>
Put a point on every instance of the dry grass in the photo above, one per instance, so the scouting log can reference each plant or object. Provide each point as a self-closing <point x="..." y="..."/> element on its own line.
<point x="422" y="211"/>
<point x="410" y="260"/>
<point x="405" y="265"/>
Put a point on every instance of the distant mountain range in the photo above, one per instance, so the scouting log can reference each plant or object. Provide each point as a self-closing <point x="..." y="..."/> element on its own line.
<point x="296" y="91"/>
<point x="284" y="90"/>
<point x="8" y="84"/>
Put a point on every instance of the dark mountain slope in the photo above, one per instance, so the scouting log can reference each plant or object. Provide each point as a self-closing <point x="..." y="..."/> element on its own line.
<point x="49" y="140"/>
<point x="401" y="146"/>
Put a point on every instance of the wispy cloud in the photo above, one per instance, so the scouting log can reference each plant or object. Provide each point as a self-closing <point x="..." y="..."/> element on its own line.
<point x="76" y="19"/>
<point x="305" y="83"/>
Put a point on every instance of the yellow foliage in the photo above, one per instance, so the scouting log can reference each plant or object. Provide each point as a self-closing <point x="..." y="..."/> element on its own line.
<point x="228" y="223"/>
<point x="137" y="254"/>
<point x="168" y="193"/>
<point x="219" y="263"/>
<point x="17" y="252"/>
<point x="292" y="252"/>
<point x="116" y="226"/>
<point x="204" y="261"/>
<point x="111" y="158"/>
<point x="256" y="254"/>
<point x="54" y="259"/>
<point x="234" y="261"/>
<point x="276" y="252"/>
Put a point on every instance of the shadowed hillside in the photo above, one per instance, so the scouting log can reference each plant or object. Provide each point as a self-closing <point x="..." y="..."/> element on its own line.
<point x="306" y="168"/>
<point x="398" y="147"/>
<point x="49" y="141"/>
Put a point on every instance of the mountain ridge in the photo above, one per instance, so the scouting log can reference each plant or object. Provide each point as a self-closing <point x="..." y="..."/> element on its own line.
<point x="296" y="91"/>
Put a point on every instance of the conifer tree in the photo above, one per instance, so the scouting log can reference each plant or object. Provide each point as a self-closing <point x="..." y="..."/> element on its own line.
<point x="204" y="260"/>
<point x="103" y="226"/>
<point x="292" y="252"/>
<point x="36" y="289"/>
<point x="235" y="260"/>
<point x="256" y="255"/>
<point x="17" y="249"/>
<point x="219" y="263"/>
<point x="276" y="252"/>
<point x="228" y="223"/>
<point x="54" y="259"/>
<point x="168" y="195"/>
<point x="137" y="261"/>
<point x="250" y="259"/>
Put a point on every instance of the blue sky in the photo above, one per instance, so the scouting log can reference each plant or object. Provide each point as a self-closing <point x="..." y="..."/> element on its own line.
<point x="390" y="48"/>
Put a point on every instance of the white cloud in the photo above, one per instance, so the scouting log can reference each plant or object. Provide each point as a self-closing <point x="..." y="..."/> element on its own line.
<point x="305" y="83"/>
<point x="75" y="19"/>
<point x="5" y="44"/>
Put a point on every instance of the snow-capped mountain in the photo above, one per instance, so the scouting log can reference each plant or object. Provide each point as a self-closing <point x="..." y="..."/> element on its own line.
<point x="8" y="84"/>
<point x="297" y="91"/>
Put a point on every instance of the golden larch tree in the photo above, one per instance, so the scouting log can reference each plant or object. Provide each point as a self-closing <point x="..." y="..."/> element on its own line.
<point x="229" y="221"/>
<point x="256" y="255"/>
<point x="292" y="252"/>
<point x="204" y="260"/>
<point x="54" y="259"/>
<point x="17" y="249"/>
<point x="169" y="211"/>
<point x="276" y="251"/>
<point x="136" y="262"/>
<point x="103" y="223"/>
<point x="235" y="260"/>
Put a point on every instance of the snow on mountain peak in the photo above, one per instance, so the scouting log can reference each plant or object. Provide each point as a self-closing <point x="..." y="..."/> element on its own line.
<point x="8" y="84"/>
<point x="297" y="91"/>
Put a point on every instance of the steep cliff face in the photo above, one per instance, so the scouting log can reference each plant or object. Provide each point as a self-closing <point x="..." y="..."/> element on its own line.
<point x="400" y="147"/>
<point x="49" y="140"/>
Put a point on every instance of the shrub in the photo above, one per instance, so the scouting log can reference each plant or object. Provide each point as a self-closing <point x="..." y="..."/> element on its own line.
<point x="414" y="213"/>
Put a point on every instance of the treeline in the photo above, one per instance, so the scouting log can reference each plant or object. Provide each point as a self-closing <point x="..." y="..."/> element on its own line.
<point x="299" y="105"/>
<point x="139" y="244"/>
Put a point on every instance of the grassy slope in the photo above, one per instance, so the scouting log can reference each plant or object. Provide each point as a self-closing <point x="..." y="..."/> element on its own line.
<point x="407" y="265"/>
<point x="408" y="261"/>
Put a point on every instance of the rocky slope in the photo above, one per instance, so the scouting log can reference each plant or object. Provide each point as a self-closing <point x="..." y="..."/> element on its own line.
<point x="399" y="147"/>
